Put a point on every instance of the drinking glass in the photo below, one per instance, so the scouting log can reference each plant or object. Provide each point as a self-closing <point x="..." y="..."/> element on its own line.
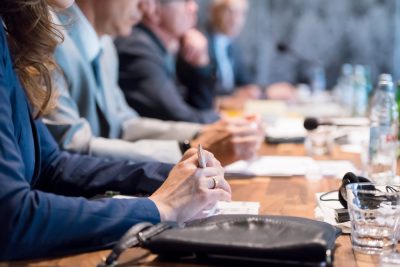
<point x="319" y="142"/>
<point x="374" y="215"/>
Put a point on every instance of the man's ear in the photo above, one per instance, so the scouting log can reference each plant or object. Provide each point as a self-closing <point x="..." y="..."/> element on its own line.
<point x="151" y="10"/>
<point x="147" y="6"/>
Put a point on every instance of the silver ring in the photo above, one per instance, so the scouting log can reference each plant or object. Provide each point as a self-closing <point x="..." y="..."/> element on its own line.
<point x="216" y="183"/>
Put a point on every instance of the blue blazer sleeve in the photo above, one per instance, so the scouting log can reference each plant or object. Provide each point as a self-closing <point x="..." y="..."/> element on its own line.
<point x="36" y="223"/>
<point x="77" y="175"/>
<point x="41" y="212"/>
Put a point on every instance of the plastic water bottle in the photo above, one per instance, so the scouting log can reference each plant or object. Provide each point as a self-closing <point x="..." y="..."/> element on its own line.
<point x="383" y="78"/>
<point x="360" y="91"/>
<point x="318" y="80"/>
<point x="383" y="134"/>
<point x="343" y="91"/>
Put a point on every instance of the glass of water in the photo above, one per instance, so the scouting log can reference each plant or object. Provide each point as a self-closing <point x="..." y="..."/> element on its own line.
<point x="319" y="142"/>
<point x="375" y="216"/>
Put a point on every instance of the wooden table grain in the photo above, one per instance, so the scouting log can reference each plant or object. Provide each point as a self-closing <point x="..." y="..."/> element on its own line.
<point x="294" y="196"/>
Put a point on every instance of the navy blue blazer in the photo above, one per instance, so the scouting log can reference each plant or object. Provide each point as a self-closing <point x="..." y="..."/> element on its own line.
<point x="42" y="211"/>
<point x="203" y="98"/>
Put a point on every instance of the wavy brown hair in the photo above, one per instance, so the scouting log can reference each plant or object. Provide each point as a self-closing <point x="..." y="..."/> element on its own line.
<point x="32" y="39"/>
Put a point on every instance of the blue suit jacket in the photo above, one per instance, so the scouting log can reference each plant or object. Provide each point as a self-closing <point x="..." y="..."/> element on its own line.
<point x="41" y="212"/>
<point x="204" y="97"/>
<point x="242" y="75"/>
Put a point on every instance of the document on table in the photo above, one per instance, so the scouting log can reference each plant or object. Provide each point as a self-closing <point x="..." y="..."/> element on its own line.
<point x="222" y="207"/>
<point x="234" y="207"/>
<point x="270" y="166"/>
<point x="285" y="128"/>
<point x="282" y="166"/>
<point x="336" y="168"/>
<point x="325" y="210"/>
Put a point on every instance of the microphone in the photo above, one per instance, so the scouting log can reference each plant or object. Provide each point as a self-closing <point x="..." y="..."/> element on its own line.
<point x="312" y="123"/>
<point x="283" y="48"/>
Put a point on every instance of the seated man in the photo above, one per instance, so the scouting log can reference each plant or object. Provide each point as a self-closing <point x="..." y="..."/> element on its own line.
<point x="234" y="85"/>
<point x="148" y="74"/>
<point x="92" y="116"/>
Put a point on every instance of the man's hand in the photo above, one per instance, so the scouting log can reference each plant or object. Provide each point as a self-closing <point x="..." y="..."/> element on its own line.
<point x="239" y="98"/>
<point x="250" y="91"/>
<point x="189" y="190"/>
<point x="281" y="91"/>
<point x="194" y="48"/>
<point x="232" y="139"/>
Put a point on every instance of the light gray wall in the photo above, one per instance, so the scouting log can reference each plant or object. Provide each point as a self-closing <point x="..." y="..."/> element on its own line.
<point x="333" y="32"/>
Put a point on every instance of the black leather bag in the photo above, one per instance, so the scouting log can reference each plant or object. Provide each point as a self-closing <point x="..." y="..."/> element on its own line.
<point x="245" y="238"/>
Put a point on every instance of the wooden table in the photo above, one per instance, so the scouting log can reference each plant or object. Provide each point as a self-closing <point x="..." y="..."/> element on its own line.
<point x="293" y="196"/>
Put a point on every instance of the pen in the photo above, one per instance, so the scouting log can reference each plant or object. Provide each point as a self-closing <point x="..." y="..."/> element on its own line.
<point x="201" y="157"/>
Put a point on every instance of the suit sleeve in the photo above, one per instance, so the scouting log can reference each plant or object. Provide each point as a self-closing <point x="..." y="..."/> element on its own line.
<point x="74" y="133"/>
<point x="243" y="76"/>
<point x="153" y="93"/>
<point x="35" y="223"/>
<point x="158" y="129"/>
<point x="201" y="83"/>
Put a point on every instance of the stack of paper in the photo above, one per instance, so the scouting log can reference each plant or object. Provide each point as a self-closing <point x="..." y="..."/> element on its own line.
<point x="270" y="166"/>
<point x="336" y="168"/>
<point x="325" y="211"/>
<point x="285" y="129"/>
<point x="222" y="207"/>
<point x="289" y="166"/>
<point x="234" y="207"/>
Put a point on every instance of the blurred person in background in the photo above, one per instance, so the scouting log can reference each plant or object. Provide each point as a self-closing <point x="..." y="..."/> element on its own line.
<point x="92" y="116"/>
<point x="149" y="58"/>
<point x="45" y="193"/>
<point x="234" y="83"/>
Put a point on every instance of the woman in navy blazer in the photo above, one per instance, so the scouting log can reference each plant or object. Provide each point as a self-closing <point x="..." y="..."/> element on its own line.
<point x="44" y="206"/>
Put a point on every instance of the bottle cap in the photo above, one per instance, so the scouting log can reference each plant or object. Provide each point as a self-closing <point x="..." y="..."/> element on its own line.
<point x="385" y="82"/>
<point x="385" y="77"/>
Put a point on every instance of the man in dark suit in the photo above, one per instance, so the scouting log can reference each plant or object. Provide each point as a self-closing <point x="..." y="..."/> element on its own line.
<point x="148" y="64"/>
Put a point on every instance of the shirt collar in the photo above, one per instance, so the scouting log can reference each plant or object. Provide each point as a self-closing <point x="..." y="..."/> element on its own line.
<point x="222" y="40"/>
<point x="153" y="37"/>
<point x="84" y="33"/>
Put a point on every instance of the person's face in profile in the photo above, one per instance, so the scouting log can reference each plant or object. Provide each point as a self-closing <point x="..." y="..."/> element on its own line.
<point x="117" y="17"/>
<point x="178" y="16"/>
<point x="230" y="16"/>
<point x="60" y="4"/>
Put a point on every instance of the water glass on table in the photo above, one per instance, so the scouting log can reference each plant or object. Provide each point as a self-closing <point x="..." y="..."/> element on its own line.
<point x="319" y="142"/>
<point x="375" y="216"/>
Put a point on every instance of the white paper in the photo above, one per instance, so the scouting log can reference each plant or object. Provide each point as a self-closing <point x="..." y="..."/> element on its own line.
<point x="271" y="166"/>
<point x="282" y="166"/>
<point x="286" y="128"/>
<point x="336" y="168"/>
<point x="325" y="211"/>
<point x="234" y="207"/>
<point x="222" y="207"/>
<point x="318" y="109"/>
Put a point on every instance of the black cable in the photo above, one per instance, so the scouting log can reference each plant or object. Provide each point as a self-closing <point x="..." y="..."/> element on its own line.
<point x="135" y="236"/>
<point x="321" y="197"/>
<point x="129" y="239"/>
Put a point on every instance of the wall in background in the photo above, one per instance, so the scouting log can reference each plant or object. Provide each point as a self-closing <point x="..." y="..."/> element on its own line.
<point x="332" y="32"/>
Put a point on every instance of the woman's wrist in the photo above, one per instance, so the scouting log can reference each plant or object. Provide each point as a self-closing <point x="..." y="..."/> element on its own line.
<point x="166" y="212"/>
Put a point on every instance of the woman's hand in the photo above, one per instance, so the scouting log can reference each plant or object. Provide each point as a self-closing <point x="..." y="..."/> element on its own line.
<point x="188" y="190"/>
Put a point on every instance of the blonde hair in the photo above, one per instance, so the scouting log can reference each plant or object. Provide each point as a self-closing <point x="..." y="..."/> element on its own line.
<point x="222" y="3"/>
<point x="32" y="39"/>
